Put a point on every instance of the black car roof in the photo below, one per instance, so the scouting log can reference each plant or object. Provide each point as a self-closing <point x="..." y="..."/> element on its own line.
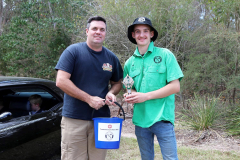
<point x="7" y="79"/>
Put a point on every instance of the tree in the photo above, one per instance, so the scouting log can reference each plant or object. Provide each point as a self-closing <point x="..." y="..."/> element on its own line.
<point x="213" y="65"/>
<point x="36" y="34"/>
<point x="176" y="22"/>
<point x="1" y="15"/>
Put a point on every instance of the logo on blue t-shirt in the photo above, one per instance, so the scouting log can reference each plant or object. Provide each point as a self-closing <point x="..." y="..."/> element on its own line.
<point x="107" y="67"/>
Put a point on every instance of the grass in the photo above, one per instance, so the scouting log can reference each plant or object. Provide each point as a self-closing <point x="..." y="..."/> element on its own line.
<point x="129" y="151"/>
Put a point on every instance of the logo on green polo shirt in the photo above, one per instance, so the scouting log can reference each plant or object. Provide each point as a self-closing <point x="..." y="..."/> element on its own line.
<point x="157" y="59"/>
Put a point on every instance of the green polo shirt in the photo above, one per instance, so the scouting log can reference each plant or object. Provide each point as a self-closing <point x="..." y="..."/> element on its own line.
<point x="151" y="72"/>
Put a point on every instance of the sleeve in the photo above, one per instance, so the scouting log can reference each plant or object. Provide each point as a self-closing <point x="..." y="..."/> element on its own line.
<point x="117" y="71"/>
<point x="66" y="62"/>
<point x="173" y="69"/>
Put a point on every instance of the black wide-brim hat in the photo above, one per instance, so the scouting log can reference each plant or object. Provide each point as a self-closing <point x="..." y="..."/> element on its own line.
<point x="141" y="20"/>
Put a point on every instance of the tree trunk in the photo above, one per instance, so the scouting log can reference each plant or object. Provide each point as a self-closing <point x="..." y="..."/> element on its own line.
<point x="51" y="12"/>
<point x="235" y="73"/>
<point x="236" y="63"/>
<point x="1" y="16"/>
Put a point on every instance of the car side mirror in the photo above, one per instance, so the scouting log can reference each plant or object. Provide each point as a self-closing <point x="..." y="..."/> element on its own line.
<point x="5" y="116"/>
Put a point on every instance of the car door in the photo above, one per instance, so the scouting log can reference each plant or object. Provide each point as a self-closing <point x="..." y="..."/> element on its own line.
<point x="20" y="130"/>
<point x="25" y="128"/>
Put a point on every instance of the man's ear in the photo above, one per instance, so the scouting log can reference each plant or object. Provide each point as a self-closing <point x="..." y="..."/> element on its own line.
<point x="152" y="33"/>
<point x="133" y="34"/>
<point x="86" y="31"/>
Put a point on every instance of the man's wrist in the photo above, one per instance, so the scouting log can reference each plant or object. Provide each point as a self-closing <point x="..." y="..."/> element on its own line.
<point x="87" y="99"/>
<point x="110" y="92"/>
<point x="148" y="96"/>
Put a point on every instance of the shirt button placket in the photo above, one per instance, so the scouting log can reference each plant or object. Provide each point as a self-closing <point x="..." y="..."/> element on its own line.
<point x="143" y="79"/>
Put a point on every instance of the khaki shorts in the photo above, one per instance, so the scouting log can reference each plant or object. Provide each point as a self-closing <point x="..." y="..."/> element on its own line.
<point x="78" y="141"/>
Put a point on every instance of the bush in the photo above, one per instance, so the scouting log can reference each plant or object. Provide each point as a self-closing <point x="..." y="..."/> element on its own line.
<point x="201" y="113"/>
<point x="233" y="120"/>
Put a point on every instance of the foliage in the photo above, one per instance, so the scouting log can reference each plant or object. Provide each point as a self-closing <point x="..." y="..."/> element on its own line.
<point x="201" y="113"/>
<point x="203" y="35"/>
<point x="233" y="120"/>
<point x="164" y="15"/>
<point x="36" y="35"/>
<point x="206" y="48"/>
<point x="212" y="66"/>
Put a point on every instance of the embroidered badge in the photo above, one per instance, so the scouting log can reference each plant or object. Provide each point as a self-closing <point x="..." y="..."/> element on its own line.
<point x="157" y="59"/>
<point x="107" y="67"/>
<point x="141" y="19"/>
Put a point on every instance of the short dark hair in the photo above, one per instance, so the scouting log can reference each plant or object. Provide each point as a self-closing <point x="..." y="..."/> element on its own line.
<point x="35" y="99"/>
<point x="96" y="18"/>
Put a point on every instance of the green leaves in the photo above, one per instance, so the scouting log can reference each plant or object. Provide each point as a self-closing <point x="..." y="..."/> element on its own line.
<point x="202" y="112"/>
<point x="30" y="45"/>
<point x="233" y="120"/>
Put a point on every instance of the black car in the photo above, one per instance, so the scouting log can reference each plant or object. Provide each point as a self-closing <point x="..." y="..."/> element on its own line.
<point x="24" y="136"/>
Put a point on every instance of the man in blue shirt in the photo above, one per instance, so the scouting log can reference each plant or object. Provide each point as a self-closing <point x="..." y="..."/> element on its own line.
<point x="85" y="71"/>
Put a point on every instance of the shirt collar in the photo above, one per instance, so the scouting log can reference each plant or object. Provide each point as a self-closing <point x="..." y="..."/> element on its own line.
<point x="150" y="49"/>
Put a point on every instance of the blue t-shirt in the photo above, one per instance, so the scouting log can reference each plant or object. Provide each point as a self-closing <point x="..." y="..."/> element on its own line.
<point x="90" y="71"/>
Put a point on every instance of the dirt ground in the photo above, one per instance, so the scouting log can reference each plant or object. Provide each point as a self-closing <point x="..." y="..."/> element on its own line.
<point x="206" y="140"/>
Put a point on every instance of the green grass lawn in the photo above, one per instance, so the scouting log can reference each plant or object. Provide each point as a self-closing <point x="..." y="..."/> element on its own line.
<point x="129" y="151"/>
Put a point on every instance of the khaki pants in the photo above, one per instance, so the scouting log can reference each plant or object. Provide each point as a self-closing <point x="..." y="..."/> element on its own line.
<point x="78" y="141"/>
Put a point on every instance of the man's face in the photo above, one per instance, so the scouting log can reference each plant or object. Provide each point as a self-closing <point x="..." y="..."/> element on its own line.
<point x="96" y="33"/>
<point x="142" y="34"/>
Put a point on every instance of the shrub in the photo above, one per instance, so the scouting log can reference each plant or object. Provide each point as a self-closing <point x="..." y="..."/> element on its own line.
<point x="233" y="120"/>
<point x="201" y="113"/>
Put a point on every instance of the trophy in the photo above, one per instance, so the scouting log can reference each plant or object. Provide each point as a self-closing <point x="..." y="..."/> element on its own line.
<point x="128" y="83"/>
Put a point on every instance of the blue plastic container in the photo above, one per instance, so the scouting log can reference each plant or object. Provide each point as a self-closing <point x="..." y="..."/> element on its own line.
<point x="107" y="132"/>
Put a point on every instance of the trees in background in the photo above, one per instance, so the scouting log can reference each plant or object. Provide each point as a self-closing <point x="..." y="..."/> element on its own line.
<point x="213" y="65"/>
<point x="35" y="32"/>
<point x="203" y="35"/>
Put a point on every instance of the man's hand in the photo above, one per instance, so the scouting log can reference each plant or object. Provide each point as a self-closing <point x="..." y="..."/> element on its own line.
<point x="110" y="99"/>
<point x="96" y="102"/>
<point x="125" y="94"/>
<point x="135" y="97"/>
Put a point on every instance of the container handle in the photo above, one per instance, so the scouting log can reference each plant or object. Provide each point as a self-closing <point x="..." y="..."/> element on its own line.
<point x="121" y="109"/>
<point x="118" y="106"/>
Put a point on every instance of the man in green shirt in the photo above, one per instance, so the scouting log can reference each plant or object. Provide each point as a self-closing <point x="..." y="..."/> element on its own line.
<point x="156" y="76"/>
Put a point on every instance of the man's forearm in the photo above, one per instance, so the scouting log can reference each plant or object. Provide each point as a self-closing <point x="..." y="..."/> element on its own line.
<point x="138" y="97"/>
<point x="172" y="88"/>
<point x="115" y="87"/>
<point x="68" y="87"/>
